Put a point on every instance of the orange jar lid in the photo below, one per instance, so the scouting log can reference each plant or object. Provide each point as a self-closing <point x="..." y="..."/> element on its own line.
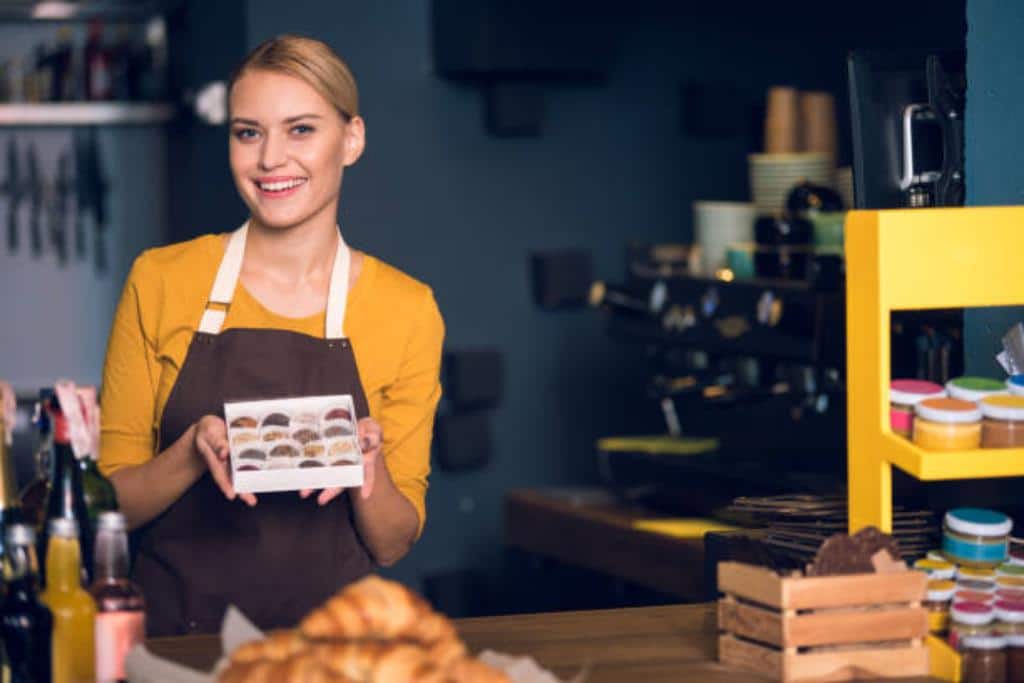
<point x="948" y="410"/>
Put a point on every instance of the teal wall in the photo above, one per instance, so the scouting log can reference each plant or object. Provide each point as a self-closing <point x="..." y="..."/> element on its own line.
<point x="995" y="174"/>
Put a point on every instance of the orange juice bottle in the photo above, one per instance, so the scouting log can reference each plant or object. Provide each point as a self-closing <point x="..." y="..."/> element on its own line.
<point x="73" y="608"/>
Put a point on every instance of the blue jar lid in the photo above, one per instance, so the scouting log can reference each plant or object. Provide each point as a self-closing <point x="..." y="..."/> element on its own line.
<point x="978" y="522"/>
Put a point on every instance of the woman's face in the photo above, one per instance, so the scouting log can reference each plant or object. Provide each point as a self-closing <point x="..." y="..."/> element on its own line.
<point x="289" y="147"/>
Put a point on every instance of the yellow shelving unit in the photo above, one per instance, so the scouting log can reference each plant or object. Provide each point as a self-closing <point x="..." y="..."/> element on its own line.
<point x="912" y="260"/>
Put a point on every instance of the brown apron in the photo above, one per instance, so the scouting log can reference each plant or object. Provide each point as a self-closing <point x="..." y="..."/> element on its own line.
<point x="281" y="558"/>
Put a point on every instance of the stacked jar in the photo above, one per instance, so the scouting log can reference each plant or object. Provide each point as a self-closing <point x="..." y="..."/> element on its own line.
<point x="974" y="388"/>
<point x="1003" y="424"/>
<point x="947" y="424"/>
<point x="969" y="619"/>
<point x="1015" y="383"/>
<point x="984" y="659"/>
<point x="904" y="394"/>
<point x="973" y="537"/>
<point x="938" y="598"/>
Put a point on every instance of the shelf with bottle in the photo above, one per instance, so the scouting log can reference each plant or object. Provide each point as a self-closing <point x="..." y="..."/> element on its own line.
<point x="85" y="113"/>
<point x="83" y="10"/>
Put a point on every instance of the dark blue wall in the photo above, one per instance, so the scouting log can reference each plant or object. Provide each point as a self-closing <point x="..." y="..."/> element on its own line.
<point x="994" y="142"/>
<point x="437" y="197"/>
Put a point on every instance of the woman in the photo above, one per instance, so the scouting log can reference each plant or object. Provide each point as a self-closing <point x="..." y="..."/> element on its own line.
<point x="281" y="307"/>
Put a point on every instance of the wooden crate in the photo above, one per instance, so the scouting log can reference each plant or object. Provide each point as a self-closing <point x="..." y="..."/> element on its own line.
<point x="833" y="628"/>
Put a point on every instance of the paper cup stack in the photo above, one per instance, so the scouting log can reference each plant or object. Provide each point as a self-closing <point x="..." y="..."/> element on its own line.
<point x="772" y="176"/>
<point x="717" y="225"/>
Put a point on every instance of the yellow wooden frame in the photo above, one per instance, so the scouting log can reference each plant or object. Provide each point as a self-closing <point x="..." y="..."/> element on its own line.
<point x="908" y="260"/>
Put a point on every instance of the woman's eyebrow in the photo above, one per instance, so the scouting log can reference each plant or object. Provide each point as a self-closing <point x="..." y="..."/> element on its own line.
<point x="248" y="122"/>
<point x="293" y="119"/>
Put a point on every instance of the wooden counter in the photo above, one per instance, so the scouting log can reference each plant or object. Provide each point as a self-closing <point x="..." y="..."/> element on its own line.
<point x="589" y="529"/>
<point x="650" y="644"/>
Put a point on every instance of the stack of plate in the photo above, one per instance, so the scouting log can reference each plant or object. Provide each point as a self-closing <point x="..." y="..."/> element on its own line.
<point x="772" y="176"/>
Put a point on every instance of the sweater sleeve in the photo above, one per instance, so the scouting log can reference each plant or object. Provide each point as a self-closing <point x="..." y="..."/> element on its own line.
<point x="130" y="374"/>
<point x="409" y="404"/>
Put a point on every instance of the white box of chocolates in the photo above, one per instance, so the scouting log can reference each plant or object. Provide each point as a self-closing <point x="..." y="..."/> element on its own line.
<point x="293" y="444"/>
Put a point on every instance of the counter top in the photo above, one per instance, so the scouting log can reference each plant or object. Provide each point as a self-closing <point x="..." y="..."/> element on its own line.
<point x="651" y="644"/>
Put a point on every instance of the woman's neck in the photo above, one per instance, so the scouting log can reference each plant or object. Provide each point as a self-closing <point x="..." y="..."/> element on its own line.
<point x="293" y="255"/>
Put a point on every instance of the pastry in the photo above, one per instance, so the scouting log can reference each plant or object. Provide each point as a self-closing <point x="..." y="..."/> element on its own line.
<point x="244" y="422"/>
<point x="311" y="463"/>
<point x="373" y="631"/>
<point x="304" y="435"/>
<point x="338" y="429"/>
<point x="243" y="438"/>
<point x="313" y="450"/>
<point x="284" y="450"/>
<point x="252" y="454"/>
<point x="338" y="414"/>
<point x="274" y="434"/>
<point x="276" y="420"/>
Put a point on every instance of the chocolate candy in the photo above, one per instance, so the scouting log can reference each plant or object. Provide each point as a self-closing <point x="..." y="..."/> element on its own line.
<point x="244" y="423"/>
<point x="276" y="420"/>
<point x="252" y="454"/>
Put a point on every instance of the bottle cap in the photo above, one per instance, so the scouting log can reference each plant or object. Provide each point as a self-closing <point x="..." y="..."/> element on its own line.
<point x="21" y="534"/>
<point x="64" y="528"/>
<point x="978" y="522"/>
<point x="111" y="521"/>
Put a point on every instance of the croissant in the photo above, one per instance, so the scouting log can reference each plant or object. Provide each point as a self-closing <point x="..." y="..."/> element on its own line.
<point x="375" y="608"/>
<point x="373" y="631"/>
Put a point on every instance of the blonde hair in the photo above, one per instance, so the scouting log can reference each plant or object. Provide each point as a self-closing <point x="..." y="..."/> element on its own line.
<point x="311" y="61"/>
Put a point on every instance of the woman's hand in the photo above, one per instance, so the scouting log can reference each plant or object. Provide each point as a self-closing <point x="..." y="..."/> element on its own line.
<point x="370" y="439"/>
<point x="210" y="442"/>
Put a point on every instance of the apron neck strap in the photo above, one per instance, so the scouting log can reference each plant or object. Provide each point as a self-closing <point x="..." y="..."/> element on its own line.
<point x="227" y="280"/>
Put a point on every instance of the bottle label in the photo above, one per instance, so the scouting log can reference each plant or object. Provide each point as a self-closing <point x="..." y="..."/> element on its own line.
<point x="116" y="634"/>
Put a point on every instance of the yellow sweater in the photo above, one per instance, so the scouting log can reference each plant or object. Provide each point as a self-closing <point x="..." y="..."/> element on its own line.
<point x="392" y="320"/>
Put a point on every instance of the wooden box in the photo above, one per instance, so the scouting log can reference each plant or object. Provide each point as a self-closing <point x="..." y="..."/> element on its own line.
<point x="832" y="628"/>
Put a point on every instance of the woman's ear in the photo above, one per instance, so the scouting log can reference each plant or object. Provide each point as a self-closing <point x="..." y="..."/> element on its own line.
<point x="355" y="140"/>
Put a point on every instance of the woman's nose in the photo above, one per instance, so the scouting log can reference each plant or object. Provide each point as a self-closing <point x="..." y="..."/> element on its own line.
<point x="273" y="153"/>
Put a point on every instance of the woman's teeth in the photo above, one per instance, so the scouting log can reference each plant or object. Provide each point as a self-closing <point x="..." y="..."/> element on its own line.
<point x="281" y="185"/>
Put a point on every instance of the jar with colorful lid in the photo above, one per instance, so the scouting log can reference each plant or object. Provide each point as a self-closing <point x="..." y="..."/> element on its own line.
<point x="1012" y="594"/>
<point x="947" y="424"/>
<point x="1010" y="582"/>
<point x="975" y="537"/>
<point x="1015" y="659"/>
<point x="936" y="555"/>
<point x="1015" y="383"/>
<point x="984" y="659"/>
<point x="965" y="595"/>
<point x="1009" y="569"/>
<point x="904" y="394"/>
<point x="974" y="388"/>
<point x="969" y="619"/>
<point x="1016" y="556"/>
<point x="936" y="569"/>
<point x="1003" y="423"/>
<point x="937" y="601"/>
<point x="978" y="573"/>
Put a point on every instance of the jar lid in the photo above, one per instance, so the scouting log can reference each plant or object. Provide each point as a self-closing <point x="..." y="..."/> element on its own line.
<point x="1015" y="640"/>
<point x="936" y="555"/>
<point x="938" y="569"/>
<point x="1003" y="407"/>
<point x="941" y="585"/>
<point x="1011" y="611"/>
<point x="982" y="585"/>
<point x="973" y="596"/>
<point x="978" y="522"/>
<point x="940" y="594"/>
<point x="1015" y="383"/>
<point x="974" y="388"/>
<point x="973" y="613"/>
<point x="1013" y="594"/>
<point x="1010" y="582"/>
<point x="1009" y="569"/>
<point x="948" y="410"/>
<point x="983" y="642"/>
<point x="908" y="392"/>
<point x="972" y="573"/>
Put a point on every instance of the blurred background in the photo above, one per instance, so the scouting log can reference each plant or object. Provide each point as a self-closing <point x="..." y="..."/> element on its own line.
<point x="527" y="159"/>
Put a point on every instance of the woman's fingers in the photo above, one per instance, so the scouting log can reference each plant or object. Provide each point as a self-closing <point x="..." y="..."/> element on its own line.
<point x="216" y="467"/>
<point x="305" y="493"/>
<point x="327" y="495"/>
<point x="369" y="466"/>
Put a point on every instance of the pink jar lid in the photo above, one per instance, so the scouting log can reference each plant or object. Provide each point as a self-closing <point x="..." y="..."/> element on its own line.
<point x="971" y="612"/>
<point x="908" y="392"/>
<point x="1010" y="594"/>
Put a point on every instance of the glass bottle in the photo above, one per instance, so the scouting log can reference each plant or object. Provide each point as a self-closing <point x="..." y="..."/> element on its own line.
<point x="100" y="495"/>
<point x="10" y="508"/>
<point x="74" y="612"/>
<point x="34" y="495"/>
<point x="66" y="496"/>
<point x="120" y="607"/>
<point x="26" y="623"/>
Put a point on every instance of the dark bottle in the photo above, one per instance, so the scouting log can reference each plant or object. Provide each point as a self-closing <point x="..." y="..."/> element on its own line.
<point x="27" y="624"/>
<point x="100" y="495"/>
<point x="120" y="607"/>
<point x="66" y="495"/>
<point x="34" y="495"/>
<point x="98" y="85"/>
<point x="10" y="508"/>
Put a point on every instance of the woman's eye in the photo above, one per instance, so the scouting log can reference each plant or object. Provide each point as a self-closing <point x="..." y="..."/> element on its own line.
<point x="246" y="133"/>
<point x="302" y="129"/>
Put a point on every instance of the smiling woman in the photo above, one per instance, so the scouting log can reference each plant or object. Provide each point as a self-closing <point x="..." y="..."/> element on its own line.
<point x="281" y="307"/>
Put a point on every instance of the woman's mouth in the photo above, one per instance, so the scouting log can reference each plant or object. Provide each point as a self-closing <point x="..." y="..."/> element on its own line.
<point x="277" y="188"/>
